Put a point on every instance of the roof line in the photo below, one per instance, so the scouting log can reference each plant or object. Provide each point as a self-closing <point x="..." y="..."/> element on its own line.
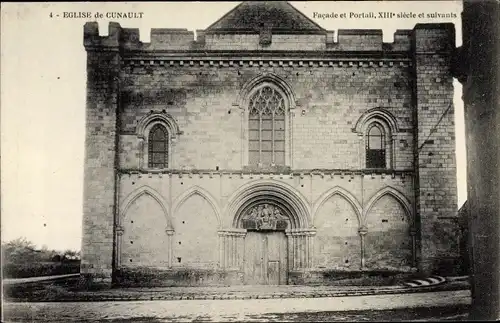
<point x="303" y="15"/>
<point x="224" y="16"/>
<point x="285" y="2"/>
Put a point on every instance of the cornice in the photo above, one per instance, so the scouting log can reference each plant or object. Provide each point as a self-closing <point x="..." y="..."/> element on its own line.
<point x="267" y="62"/>
<point x="301" y="173"/>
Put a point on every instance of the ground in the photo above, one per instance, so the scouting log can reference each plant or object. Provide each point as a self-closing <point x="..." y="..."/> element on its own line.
<point x="444" y="305"/>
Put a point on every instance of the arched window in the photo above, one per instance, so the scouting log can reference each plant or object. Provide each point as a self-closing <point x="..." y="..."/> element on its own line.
<point x="266" y="128"/>
<point x="158" y="147"/>
<point x="375" y="147"/>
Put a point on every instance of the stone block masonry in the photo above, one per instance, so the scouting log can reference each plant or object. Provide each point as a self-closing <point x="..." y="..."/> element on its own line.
<point x="103" y="65"/>
<point x="169" y="203"/>
<point x="435" y="146"/>
<point x="329" y="102"/>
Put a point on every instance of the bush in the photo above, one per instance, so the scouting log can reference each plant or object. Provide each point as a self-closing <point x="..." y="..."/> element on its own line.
<point x="21" y="259"/>
<point x="12" y="270"/>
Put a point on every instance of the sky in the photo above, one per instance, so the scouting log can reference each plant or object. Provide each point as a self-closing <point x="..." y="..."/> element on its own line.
<point x="43" y="79"/>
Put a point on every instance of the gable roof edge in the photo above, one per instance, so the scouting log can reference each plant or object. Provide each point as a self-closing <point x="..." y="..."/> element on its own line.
<point x="315" y="28"/>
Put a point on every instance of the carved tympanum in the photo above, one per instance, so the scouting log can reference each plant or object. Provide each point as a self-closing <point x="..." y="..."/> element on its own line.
<point x="264" y="217"/>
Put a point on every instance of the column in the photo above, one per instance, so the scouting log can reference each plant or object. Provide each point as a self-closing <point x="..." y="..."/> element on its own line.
<point x="392" y="147"/>
<point x="296" y="258"/>
<point x="172" y="153"/>
<point x="361" y="151"/>
<point x="226" y="250"/>
<point x="308" y="250"/>
<point x="241" y="249"/>
<point x="170" y="233"/>
<point x="362" y="233"/>
<point x="234" y="251"/>
<point x="290" y="249"/>
<point x="310" y="236"/>
<point x="119" y="233"/>
<point x="142" y="152"/>
<point x="311" y="244"/>
<point x="231" y="248"/>
<point x="302" y="250"/>
<point x="298" y="236"/>
<point x="221" y="249"/>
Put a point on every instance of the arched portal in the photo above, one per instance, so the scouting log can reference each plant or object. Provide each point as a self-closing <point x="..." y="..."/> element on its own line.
<point x="269" y="236"/>
<point x="285" y="197"/>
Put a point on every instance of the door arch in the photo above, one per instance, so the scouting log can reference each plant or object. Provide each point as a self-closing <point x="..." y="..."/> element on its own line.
<point x="271" y="224"/>
<point x="261" y="190"/>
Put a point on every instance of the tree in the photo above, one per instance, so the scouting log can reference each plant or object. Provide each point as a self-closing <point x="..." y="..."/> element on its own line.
<point x="19" y="250"/>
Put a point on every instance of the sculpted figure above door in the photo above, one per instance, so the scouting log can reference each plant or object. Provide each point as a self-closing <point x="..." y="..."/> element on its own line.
<point x="265" y="217"/>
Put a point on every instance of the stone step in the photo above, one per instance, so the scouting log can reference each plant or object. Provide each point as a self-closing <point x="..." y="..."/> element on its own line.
<point x="429" y="281"/>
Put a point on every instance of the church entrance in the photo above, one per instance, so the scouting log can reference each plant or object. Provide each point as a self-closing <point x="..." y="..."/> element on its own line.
<point x="270" y="236"/>
<point x="265" y="257"/>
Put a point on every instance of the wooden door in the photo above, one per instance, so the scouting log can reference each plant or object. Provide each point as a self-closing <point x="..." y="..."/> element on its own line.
<point x="265" y="258"/>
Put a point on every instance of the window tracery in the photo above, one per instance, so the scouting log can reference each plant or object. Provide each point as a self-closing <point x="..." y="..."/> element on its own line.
<point x="266" y="127"/>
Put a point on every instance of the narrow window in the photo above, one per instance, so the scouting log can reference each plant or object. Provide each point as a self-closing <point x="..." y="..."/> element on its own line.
<point x="158" y="147"/>
<point x="266" y="128"/>
<point x="375" y="147"/>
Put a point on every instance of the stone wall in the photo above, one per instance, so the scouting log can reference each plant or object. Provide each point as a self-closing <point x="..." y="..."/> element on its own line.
<point x="181" y="219"/>
<point x="328" y="102"/>
<point x="436" y="186"/>
<point x="337" y="240"/>
<point x="186" y="212"/>
<point x="100" y="151"/>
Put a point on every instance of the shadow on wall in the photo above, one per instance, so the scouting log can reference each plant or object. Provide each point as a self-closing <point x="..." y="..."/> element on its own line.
<point x="451" y="266"/>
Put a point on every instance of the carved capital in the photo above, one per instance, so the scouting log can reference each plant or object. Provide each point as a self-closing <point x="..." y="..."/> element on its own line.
<point x="119" y="230"/>
<point x="363" y="231"/>
<point x="311" y="233"/>
<point x="232" y="232"/>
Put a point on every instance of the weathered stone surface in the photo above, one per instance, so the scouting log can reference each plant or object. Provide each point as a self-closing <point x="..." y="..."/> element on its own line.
<point x="340" y="215"/>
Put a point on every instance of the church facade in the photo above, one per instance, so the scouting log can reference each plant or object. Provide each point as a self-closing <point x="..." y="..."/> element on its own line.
<point x="262" y="151"/>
